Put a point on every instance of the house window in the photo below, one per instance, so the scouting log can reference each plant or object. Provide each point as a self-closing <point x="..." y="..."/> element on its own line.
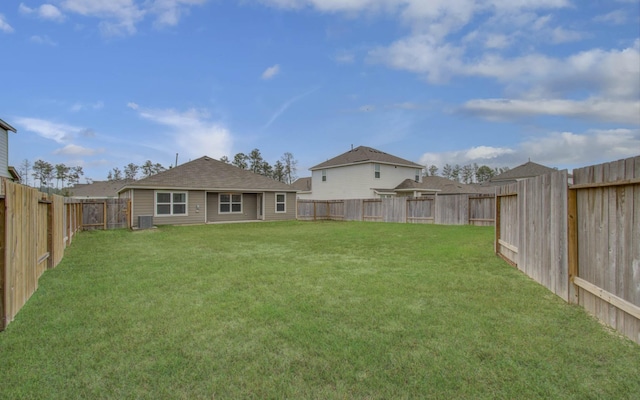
<point x="230" y="203"/>
<point x="324" y="175"/>
<point x="171" y="203"/>
<point x="418" y="173"/>
<point x="281" y="202"/>
<point x="376" y="169"/>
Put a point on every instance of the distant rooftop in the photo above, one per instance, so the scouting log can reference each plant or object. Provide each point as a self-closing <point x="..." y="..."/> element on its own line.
<point x="526" y="170"/>
<point x="363" y="154"/>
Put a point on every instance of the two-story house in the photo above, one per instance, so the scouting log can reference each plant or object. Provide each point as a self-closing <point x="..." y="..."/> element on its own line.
<point x="360" y="173"/>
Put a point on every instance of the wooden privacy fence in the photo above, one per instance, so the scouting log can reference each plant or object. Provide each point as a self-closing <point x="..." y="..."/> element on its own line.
<point x="455" y="209"/>
<point x="105" y="214"/>
<point x="582" y="241"/>
<point x="33" y="236"/>
<point x="35" y="229"/>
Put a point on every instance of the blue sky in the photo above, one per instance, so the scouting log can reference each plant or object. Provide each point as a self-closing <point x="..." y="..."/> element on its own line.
<point x="104" y="83"/>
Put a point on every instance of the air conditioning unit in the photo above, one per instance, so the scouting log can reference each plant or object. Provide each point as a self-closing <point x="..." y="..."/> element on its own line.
<point x="145" y="222"/>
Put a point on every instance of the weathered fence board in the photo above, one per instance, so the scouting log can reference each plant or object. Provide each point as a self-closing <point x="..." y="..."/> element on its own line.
<point x="607" y="200"/>
<point x="35" y="228"/>
<point x="532" y="230"/>
<point x="459" y="209"/>
<point x="28" y="247"/>
<point x="105" y="214"/>
<point x="581" y="242"/>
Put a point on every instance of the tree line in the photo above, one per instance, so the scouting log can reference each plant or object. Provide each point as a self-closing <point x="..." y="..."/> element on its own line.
<point x="283" y="170"/>
<point x="44" y="174"/>
<point x="132" y="171"/>
<point x="470" y="173"/>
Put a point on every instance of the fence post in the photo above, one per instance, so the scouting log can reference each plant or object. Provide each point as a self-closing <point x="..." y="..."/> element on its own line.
<point x="3" y="242"/>
<point x="50" y="231"/>
<point x="498" y="201"/>
<point x="572" y="242"/>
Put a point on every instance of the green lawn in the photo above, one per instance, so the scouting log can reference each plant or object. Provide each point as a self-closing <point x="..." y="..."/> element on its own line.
<point x="304" y="310"/>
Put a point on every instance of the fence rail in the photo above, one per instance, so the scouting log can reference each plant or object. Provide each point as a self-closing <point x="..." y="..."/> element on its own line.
<point x="458" y="209"/>
<point x="35" y="229"/>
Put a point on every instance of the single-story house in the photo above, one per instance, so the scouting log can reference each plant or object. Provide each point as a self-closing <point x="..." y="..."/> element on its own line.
<point x="360" y="173"/>
<point x="207" y="190"/>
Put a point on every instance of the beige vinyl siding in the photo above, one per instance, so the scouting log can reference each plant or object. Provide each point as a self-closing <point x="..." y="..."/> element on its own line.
<point x="144" y="204"/>
<point x="270" y="213"/>
<point x="249" y="209"/>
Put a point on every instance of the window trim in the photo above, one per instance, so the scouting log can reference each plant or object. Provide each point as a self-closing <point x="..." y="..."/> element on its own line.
<point x="418" y="175"/>
<point x="231" y="203"/>
<point x="324" y="175"/>
<point x="376" y="171"/>
<point x="281" y="202"/>
<point x="171" y="203"/>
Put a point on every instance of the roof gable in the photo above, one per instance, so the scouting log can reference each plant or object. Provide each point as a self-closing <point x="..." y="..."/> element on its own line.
<point x="526" y="170"/>
<point x="363" y="154"/>
<point x="205" y="173"/>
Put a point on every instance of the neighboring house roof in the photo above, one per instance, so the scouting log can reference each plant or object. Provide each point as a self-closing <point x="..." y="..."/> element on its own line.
<point x="526" y="170"/>
<point x="15" y="175"/>
<point x="362" y="154"/>
<point x="7" y="127"/>
<point x="98" y="189"/>
<point x="205" y="173"/>
<point x="441" y="186"/>
<point x="302" y="184"/>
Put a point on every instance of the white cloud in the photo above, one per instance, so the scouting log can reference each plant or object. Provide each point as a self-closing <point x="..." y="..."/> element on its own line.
<point x="616" y="17"/>
<point x="76" y="107"/>
<point x="561" y="35"/>
<point x="75" y="150"/>
<point x="554" y="149"/>
<point x="192" y="132"/>
<point x="624" y="112"/>
<point x="43" y="40"/>
<point x="57" y="132"/>
<point x="133" y="105"/>
<point x="45" y="11"/>
<point x="4" y="25"/>
<point x="169" y="11"/>
<point x="271" y="72"/>
<point x="423" y="55"/>
<point x="120" y="17"/>
<point x="344" y="57"/>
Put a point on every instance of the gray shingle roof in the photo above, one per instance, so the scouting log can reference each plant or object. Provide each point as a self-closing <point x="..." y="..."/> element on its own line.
<point x="526" y="170"/>
<point x="362" y="154"/>
<point x="205" y="173"/>
<point x="302" y="184"/>
<point x="98" y="189"/>
<point x="443" y="186"/>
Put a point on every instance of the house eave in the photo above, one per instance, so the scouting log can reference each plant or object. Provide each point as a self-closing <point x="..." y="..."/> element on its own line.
<point x="7" y="127"/>
<point x="316" y="168"/>
<point x="206" y="189"/>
